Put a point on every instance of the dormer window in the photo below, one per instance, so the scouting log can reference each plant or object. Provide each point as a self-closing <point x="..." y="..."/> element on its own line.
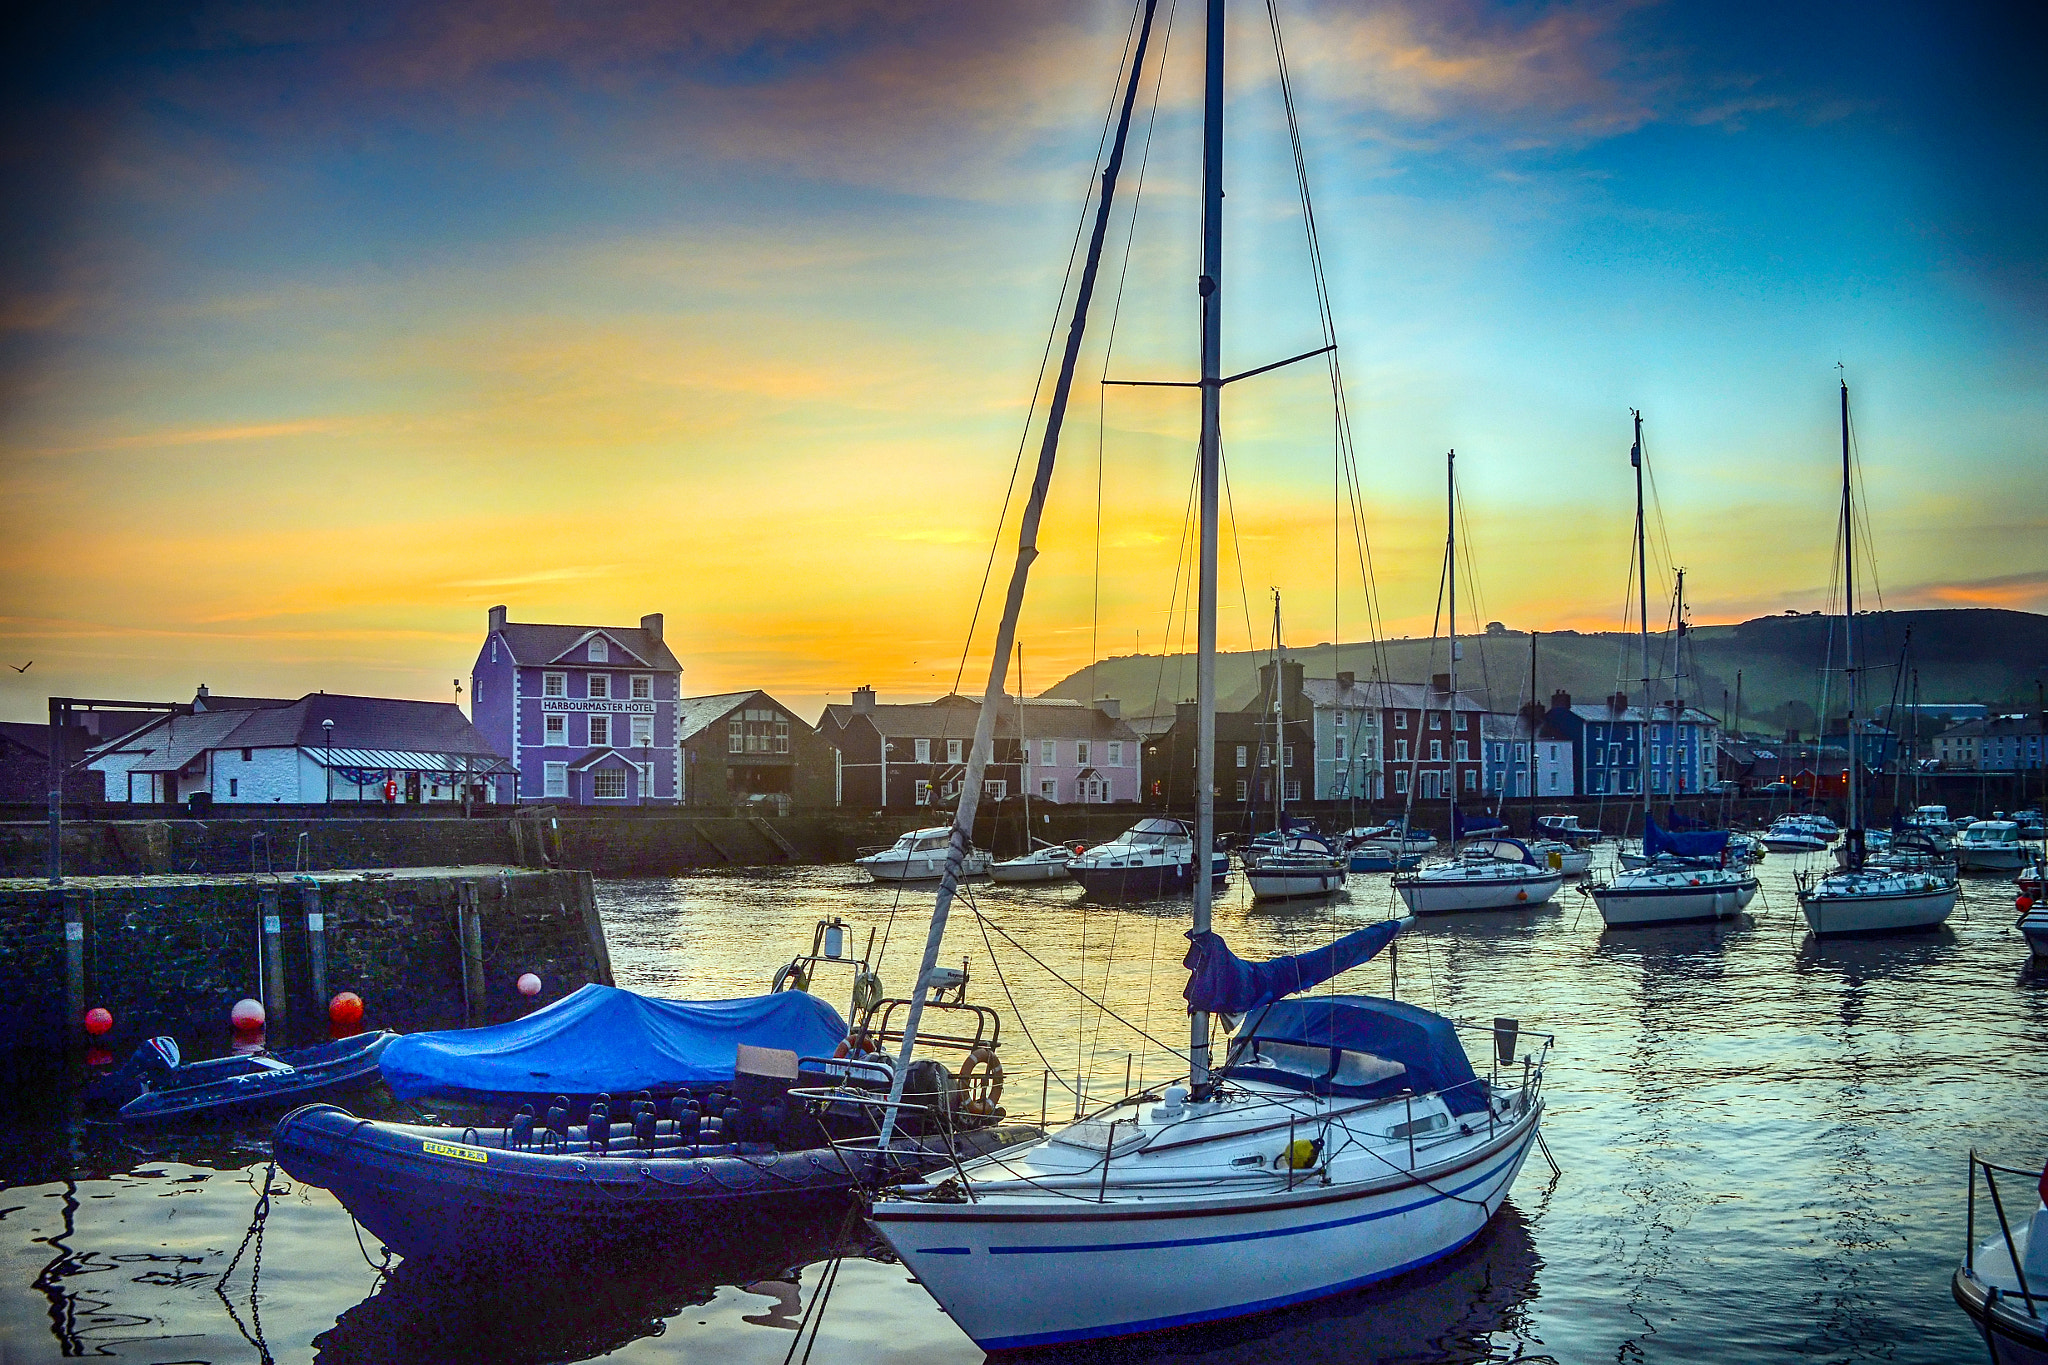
<point x="600" y="651"/>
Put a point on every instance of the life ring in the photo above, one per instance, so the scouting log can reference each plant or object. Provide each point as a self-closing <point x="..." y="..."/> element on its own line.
<point x="792" y="977"/>
<point x="981" y="1076"/>
<point x="867" y="992"/>
<point x="842" y="1050"/>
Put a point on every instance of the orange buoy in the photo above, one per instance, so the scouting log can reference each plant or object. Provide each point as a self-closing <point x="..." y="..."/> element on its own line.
<point x="345" y="1009"/>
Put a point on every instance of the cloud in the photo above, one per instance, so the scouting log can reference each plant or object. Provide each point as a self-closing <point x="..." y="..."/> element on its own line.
<point x="2026" y="591"/>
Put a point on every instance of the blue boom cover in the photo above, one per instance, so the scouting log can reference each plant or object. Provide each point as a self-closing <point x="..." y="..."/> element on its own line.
<point x="603" y="1039"/>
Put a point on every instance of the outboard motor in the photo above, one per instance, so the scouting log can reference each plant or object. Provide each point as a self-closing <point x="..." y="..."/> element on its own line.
<point x="930" y="1084"/>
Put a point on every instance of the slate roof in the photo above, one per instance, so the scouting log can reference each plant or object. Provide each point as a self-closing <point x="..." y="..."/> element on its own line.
<point x="534" y="645"/>
<point x="388" y="723"/>
<point x="693" y="714"/>
<point x="179" y="739"/>
<point x="1369" y="693"/>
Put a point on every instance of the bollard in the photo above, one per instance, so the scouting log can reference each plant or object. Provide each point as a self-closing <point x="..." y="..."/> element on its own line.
<point x="276" y="1014"/>
<point x="316" y="937"/>
<point x="470" y="930"/>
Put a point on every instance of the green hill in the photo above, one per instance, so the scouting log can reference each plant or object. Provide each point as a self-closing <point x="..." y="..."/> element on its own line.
<point x="1977" y="655"/>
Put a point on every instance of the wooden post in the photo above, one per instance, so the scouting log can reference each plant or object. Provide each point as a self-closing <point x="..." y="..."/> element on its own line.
<point x="276" y="1007"/>
<point x="316" y="940"/>
<point x="470" y="926"/>
<point x="72" y="911"/>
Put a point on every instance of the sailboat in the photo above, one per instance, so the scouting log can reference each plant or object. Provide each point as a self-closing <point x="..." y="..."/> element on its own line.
<point x="1870" y="895"/>
<point x="1684" y="876"/>
<point x="1047" y="861"/>
<point x="1292" y="863"/>
<point x="1493" y="872"/>
<point x="1342" y="1140"/>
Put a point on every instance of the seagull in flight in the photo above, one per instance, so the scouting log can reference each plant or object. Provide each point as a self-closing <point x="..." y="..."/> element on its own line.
<point x="23" y="668"/>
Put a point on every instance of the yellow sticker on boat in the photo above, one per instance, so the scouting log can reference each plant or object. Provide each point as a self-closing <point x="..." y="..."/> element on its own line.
<point x="450" y="1149"/>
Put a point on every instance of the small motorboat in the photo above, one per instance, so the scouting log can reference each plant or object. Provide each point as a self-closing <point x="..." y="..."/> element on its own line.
<point x="1155" y="857"/>
<point x="1992" y="846"/>
<point x="1794" y="836"/>
<point x="1303" y="864"/>
<point x="919" y="856"/>
<point x="1567" y="828"/>
<point x="1046" y="863"/>
<point x="1387" y="848"/>
<point x="2003" y="1282"/>
<point x="228" y="1087"/>
<point x="1570" y="859"/>
<point x="1488" y="874"/>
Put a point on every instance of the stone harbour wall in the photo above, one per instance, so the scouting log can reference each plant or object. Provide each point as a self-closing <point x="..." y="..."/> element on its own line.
<point x="172" y="954"/>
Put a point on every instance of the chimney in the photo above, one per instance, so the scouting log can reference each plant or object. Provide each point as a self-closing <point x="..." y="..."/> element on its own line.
<point x="1618" y="702"/>
<point x="652" y="625"/>
<point x="497" y="620"/>
<point x="1560" y="701"/>
<point x="863" y="701"/>
<point x="199" y="698"/>
<point x="1439" y="682"/>
<point x="1345" y="680"/>
<point x="1111" y="707"/>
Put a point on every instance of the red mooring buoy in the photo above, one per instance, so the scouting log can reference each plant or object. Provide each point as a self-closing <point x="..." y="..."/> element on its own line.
<point x="247" y="1015"/>
<point x="98" y="1021"/>
<point x="346" y="1009"/>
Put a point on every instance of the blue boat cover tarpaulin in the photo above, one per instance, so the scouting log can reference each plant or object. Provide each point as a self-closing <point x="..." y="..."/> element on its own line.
<point x="1425" y="1044"/>
<point x="603" y="1039"/>
<point x="1221" y="982"/>
<point x="1706" y="843"/>
<point x="1463" y="824"/>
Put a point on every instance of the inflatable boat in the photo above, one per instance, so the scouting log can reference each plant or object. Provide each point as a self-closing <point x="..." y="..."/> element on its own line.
<point x="230" y="1087"/>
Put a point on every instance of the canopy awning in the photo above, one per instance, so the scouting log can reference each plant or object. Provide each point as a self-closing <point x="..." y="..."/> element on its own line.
<point x="407" y="761"/>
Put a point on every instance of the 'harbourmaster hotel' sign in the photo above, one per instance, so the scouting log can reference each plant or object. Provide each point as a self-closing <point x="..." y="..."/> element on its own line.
<point x="611" y="705"/>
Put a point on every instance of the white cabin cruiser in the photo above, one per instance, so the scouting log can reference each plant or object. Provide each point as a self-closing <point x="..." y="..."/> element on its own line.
<point x="1301" y="866"/>
<point x="1347" y="1139"/>
<point x="1992" y="846"/>
<point x="1154" y="857"/>
<point x="919" y="856"/>
<point x="1794" y="836"/>
<point x="1567" y="828"/>
<point x="1487" y="874"/>
<point x="1046" y="863"/>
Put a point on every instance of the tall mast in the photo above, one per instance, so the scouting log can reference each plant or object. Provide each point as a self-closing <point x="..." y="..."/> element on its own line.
<point x="1535" y="711"/>
<point x="1209" y="287"/>
<point x="1451" y="560"/>
<point x="1849" y="636"/>
<point x="1677" y="686"/>
<point x="1013" y="601"/>
<point x="1635" y="457"/>
<point x="1279" y="732"/>
<point x="1024" y="750"/>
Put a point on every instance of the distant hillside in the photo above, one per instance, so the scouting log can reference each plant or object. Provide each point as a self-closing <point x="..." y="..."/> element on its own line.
<point x="1981" y="655"/>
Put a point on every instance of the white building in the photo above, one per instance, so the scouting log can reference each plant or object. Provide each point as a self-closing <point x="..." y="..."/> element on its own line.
<point x="323" y="747"/>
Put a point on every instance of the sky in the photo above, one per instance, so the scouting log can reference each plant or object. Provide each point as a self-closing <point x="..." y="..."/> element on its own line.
<point x="325" y="328"/>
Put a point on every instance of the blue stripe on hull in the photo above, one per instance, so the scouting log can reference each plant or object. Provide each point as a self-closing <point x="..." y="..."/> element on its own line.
<point x="1242" y="1310"/>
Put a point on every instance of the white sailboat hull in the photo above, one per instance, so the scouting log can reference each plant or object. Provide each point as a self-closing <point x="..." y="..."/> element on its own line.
<point x="918" y="867"/>
<point x="1991" y="857"/>
<point x="1878" y="914"/>
<point x="1038" y="1277"/>
<point x="1285" y="884"/>
<point x="1625" y="907"/>
<point x="1450" y="897"/>
<point x="1028" y="870"/>
<point x="2034" y="925"/>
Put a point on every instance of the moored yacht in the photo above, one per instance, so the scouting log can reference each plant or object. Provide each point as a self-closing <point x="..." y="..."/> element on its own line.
<point x="1487" y="874"/>
<point x="1794" y="836"/>
<point x="1686" y="878"/>
<point x="1154" y="857"/>
<point x="2003" y="1282"/>
<point x="1303" y="865"/>
<point x="1991" y="846"/>
<point x="919" y="856"/>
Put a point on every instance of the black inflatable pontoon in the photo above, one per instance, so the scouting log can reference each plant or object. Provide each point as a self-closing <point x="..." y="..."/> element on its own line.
<point x="227" y="1087"/>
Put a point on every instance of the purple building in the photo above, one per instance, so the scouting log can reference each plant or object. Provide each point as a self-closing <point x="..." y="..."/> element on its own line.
<point x="587" y="713"/>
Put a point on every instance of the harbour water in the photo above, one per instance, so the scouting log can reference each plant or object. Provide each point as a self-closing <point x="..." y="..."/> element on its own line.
<point x="1761" y="1141"/>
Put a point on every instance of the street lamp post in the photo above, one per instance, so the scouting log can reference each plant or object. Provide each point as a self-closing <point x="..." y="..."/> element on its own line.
<point x="327" y="734"/>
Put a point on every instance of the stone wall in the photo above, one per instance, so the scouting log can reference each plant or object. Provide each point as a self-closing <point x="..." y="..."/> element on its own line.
<point x="172" y="954"/>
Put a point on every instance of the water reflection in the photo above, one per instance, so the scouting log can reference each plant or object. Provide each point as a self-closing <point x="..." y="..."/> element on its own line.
<point x="423" y="1313"/>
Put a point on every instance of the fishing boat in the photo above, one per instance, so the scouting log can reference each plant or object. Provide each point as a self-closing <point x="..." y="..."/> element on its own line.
<point x="919" y="856"/>
<point x="176" y="1091"/>
<point x="1343" y="1140"/>
<point x="1870" y="896"/>
<point x="1496" y="873"/>
<point x="1155" y="857"/>
<point x="1992" y="846"/>
<point x="2003" y="1282"/>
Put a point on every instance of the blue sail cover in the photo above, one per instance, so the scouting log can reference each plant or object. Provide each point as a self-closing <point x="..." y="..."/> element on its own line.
<point x="603" y="1039"/>
<point x="1425" y="1044"/>
<point x="1706" y="843"/>
<point x="1463" y="824"/>
<point x="1221" y="982"/>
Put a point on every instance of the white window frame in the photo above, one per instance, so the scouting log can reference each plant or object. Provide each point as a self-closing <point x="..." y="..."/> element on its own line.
<point x="1400" y="720"/>
<point x="642" y="687"/>
<point x="1400" y="781"/>
<point x="1464" y="751"/>
<point x="1294" y="789"/>
<point x="600" y="650"/>
<point x="1081" y="752"/>
<point x="1401" y="754"/>
<point x="1116" y="753"/>
<point x="736" y="736"/>
<point x="554" y="732"/>
<point x="781" y="736"/>
<point x="603" y="777"/>
<point x="1244" y="754"/>
<point x="922" y="749"/>
<point x="1340" y="755"/>
<point x="599" y="723"/>
<point x="554" y="779"/>
<point x="953" y="750"/>
<point x="923" y="794"/>
<point x="1049" y="788"/>
<point x="600" y="685"/>
<point x="1244" y="791"/>
<point x="643" y="731"/>
<point x="1048" y="753"/>
<point x="994" y="788"/>
<point x="1340" y="720"/>
<point x="554" y="684"/>
<point x="1436" y="751"/>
